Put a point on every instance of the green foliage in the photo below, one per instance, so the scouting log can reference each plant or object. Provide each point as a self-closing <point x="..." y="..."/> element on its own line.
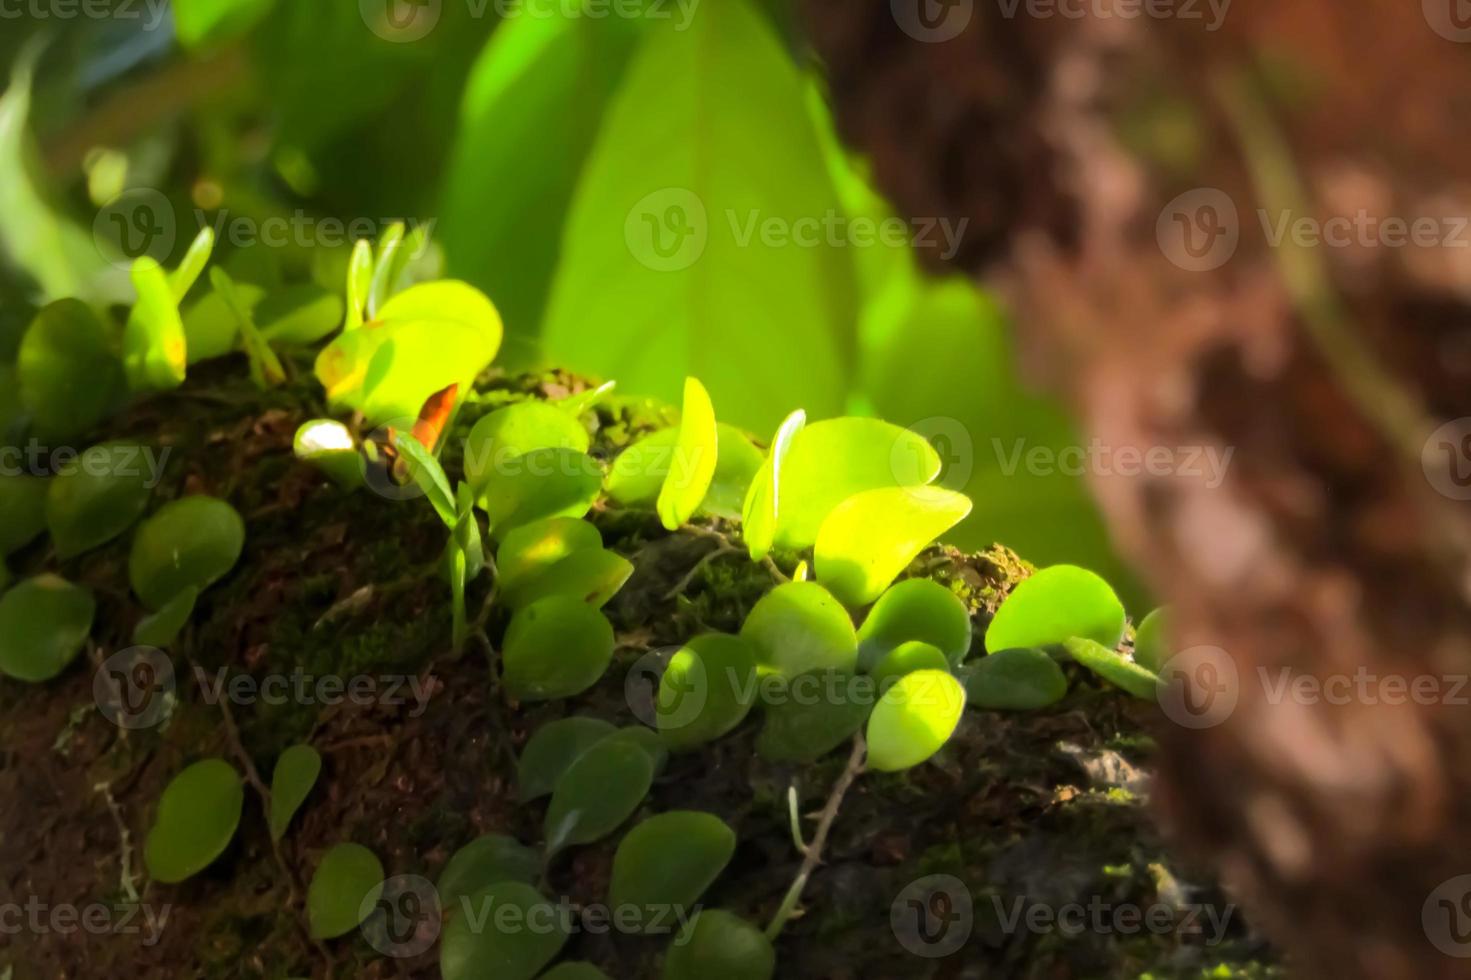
<point x="915" y="609"/>
<point x="188" y="543"/>
<point x="641" y="471"/>
<point x="554" y="648"/>
<point x="485" y="861"/>
<point x="669" y="860"/>
<point x="473" y="946"/>
<point x="707" y="690"/>
<point x="1022" y="679"/>
<point x="96" y="497"/>
<point x="600" y="789"/>
<point x="1053" y="606"/>
<point x="329" y="446"/>
<point x="161" y="628"/>
<point x="551" y="482"/>
<point x="22" y="511"/>
<point x="499" y="439"/>
<point x="534" y="548"/>
<point x="906" y="658"/>
<point x="798" y="627"/>
<point x="1152" y="639"/>
<point x="197" y="816"/>
<point x="296" y="773"/>
<point x="69" y="374"/>
<point x="574" y="971"/>
<point x="44" y="621"/>
<point x="914" y="719"/>
<point x="344" y="888"/>
<point x="872" y="536"/>
<point x="761" y="510"/>
<point x="594" y="576"/>
<point x="554" y="747"/>
<point x="155" y="345"/>
<point x="719" y="945"/>
<point x="695" y="454"/>
<point x="1113" y="667"/>
<point x="821" y="710"/>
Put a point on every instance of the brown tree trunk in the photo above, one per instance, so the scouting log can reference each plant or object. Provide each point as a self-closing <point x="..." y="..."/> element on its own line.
<point x="1126" y="179"/>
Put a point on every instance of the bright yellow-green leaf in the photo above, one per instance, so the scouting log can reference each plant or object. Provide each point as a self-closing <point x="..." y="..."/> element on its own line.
<point x="500" y="439"/>
<point x="707" y="689"/>
<point x="761" y="510"/>
<point x="329" y="446"/>
<point x="544" y="483"/>
<point x="535" y="547"/>
<point x="593" y="576"/>
<point x="872" y="536"/>
<point x="906" y="658"/>
<point x="1055" y="605"/>
<point x="1151" y="640"/>
<point x="1113" y="667"/>
<point x="914" y="719"/>
<point x="696" y="452"/>
<point x="639" y="472"/>
<point x="915" y="609"/>
<point x="155" y="351"/>
<point x="798" y="627"/>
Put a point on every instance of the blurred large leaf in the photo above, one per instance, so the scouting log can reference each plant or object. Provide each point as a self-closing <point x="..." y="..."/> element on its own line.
<point x="201" y="22"/>
<point x="542" y="82"/>
<point x="666" y="271"/>
<point x="69" y="374"/>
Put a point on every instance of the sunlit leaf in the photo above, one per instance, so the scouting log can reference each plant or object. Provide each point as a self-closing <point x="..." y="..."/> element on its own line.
<point x="192" y="542"/>
<point x="816" y="713"/>
<point x="160" y="629"/>
<point x="475" y="946"/>
<point x="543" y="483"/>
<point x="914" y="719"/>
<point x="485" y="861"/>
<point x="212" y="328"/>
<point x="1113" y="667"/>
<point x="798" y="627"/>
<point x="915" y="609"/>
<point x="639" y="472"/>
<point x="298" y="316"/>
<point x="423" y="340"/>
<point x="593" y="576"/>
<point x="191" y="267"/>
<point x="1054" y="605"/>
<point x="533" y="548"/>
<point x="1023" y="679"/>
<point x="43" y="623"/>
<point x="696" y="452"/>
<point x="429" y="476"/>
<point x="872" y="536"/>
<point x="359" y="282"/>
<point x="502" y="437"/>
<point x="707" y="689"/>
<point x="1151" y="640"/>
<point x="296" y="773"/>
<point x="667" y="862"/>
<point x="198" y="23"/>
<point x="906" y="658"/>
<point x="155" y="351"/>
<point x="197" y="817"/>
<point x="266" y="369"/>
<point x="555" y="648"/>
<point x="22" y="511"/>
<point x="329" y="446"/>
<point x="70" y="377"/>
<point x="554" y="747"/>
<point x="343" y="889"/>
<point x="583" y="401"/>
<point x="762" y="507"/>
<point x="97" y="497"/>
<point x="599" y="791"/>
<point x="719" y="945"/>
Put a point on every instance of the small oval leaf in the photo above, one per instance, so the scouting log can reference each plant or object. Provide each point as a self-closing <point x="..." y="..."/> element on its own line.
<point x="194" y="542"/>
<point x="535" y="547"/>
<point x="719" y="945"/>
<point x="69" y="377"/>
<point x="343" y="890"/>
<point x="906" y="658"/>
<point x="506" y="434"/>
<point x="541" y="484"/>
<point x="914" y="719"/>
<point x="486" y="861"/>
<point x="1053" y="606"/>
<point x="22" y="511"/>
<point x="555" y="648"/>
<point x="815" y="714"/>
<point x="197" y="817"/>
<point x="915" y="609"/>
<point x="475" y="945"/>
<point x="665" y="864"/>
<point x="97" y="497"/>
<point x="296" y="773"/>
<point x="707" y="690"/>
<point x="599" y="791"/>
<point x="868" y="539"/>
<point x="798" y="627"/>
<point x="554" y="747"/>
<point x="1023" y="679"/>
<point x="592" y="576"/>
<point x="44" y="621"/>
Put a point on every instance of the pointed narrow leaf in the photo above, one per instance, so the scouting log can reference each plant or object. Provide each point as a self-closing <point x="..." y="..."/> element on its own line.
<point x="696" y="452"/>
<point x="182" y="279"/>
<point x="762" y="509"/>
<point x="429" y="476"/>
<point x="155" y="352"/>
<point x="296" y="773"/>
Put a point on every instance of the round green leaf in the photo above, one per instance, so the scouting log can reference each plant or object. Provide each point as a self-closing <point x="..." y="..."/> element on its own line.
<point x="667" y="862"/>
<point x="1152" y="639"/>
<point x="915" y="609"/>
<point x="798" y="627"/>
<point x="555" y="648"/>
<point x="1023" y="679"/>
<point x="719" y="945"/>
<point x="160" y="629"/>
<point x="508" y="931"/>
<point x="554" y="747"/>
<point x="1054" y="605"/>
<point x="197" y="817"/>
<point x="868" y="539"/>
<point x="913" y="719"/>
<point x="22" y="511"/>
<point x="70" y="377"/>
<point x="296" y="773"/>
<point x="1113" y="667"/>
<point x="97" y="497"/>
<point x="345" y="886"/>
<point x="535" y="547"/>
<point x="44" y="622"/>
<point x="194" y="542"/>
<point x="696" y="452"/>
<point x="423" y="340"/>
<point x="329" y="446"/>
<point x="506" y="434"/>
<point x="761" y="509"/>
<point x="707" y="690"/>
<point x="815" y="713"/>
<point x="833" y="460"/>
<point x="906" y="658"/>
<point x="485" y="861"/>
<point x="543" y="483"/>
<point x="574" y="971"/>
<point x="650" y="741"/>
<point x="599" y="791"/>
<point x="592" y="576"/>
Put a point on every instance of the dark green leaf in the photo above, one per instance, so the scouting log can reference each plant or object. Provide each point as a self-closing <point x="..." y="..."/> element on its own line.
<point x="296" y="773"/>
<point x="555" y="648"/>
<point x="197" y="817"/>
<point x="43" y="623"/>
<point x="667" y="862"/>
